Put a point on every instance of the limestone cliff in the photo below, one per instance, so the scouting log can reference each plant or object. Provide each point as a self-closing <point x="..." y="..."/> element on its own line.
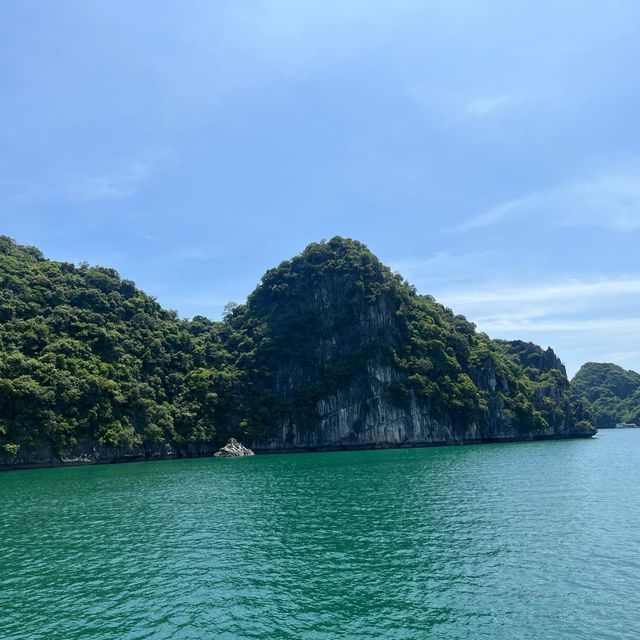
<point x="332" y="350"/>
<point x="612" y="393"/>
<point x="345" y="354"/>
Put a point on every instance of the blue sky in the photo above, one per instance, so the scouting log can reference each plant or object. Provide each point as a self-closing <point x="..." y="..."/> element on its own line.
<point x="489" y="151"/>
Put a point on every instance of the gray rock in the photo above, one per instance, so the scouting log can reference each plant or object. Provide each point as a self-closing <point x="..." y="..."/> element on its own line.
<point x="233" y="449"/>
<point x="360" y="413"/>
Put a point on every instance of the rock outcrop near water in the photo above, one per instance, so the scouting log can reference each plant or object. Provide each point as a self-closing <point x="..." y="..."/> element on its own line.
<point x="331" y="351"/>
<point x="233" y="449"/>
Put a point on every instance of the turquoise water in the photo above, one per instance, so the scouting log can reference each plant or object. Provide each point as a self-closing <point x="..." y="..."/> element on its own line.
<point x="536" y="540"/>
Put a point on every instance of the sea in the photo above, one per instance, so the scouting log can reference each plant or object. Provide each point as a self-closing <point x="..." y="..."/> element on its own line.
<point x="535" y="540"/>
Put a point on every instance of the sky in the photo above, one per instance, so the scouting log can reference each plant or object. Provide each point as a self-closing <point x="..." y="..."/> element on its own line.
<point x="488" y="151"/>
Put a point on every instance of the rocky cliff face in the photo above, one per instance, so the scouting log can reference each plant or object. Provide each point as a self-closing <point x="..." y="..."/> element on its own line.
<point x="331" y="351"/>
<point x="358" y="360"/>
<point x="364" y="415"/>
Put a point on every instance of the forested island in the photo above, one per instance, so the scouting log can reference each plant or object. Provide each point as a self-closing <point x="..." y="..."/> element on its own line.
<point x="612" y="393"/>
<point x="332" y="350"/>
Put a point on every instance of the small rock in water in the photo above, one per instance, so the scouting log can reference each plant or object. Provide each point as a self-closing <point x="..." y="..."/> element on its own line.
<point x="233" y="449"/>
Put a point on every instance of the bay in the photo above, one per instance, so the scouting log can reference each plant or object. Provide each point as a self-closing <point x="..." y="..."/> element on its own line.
<point x="531" y="540"/>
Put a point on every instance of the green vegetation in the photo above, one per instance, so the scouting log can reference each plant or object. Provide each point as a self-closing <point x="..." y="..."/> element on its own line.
<point x="85" y="357"/>
<point x="612" y="393"/>
<point x="318" y="323"/>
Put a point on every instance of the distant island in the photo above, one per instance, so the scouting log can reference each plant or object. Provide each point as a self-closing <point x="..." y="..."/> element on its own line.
<point x="331" y="351"/>
<point x="612" y="393"/>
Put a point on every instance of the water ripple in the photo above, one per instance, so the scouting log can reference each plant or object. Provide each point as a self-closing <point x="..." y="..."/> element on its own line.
<point x="537" y="540"/>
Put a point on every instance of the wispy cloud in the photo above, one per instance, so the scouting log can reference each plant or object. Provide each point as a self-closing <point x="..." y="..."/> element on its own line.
<point x="441" y="265"/>
<point x="620" y="357"/>
<point x="610" y="199"/>
<point x="494" y="215"/>
<point x="453" y="107"/>
<point x="188" y="254"/>
<point x="116" y="185"/>
<point x="523" y="326"/>
<point x="122" y="184"/>
<point x="583" y="319"/>
<point x="484" y="107"/>
<point x="604" y="303"/>
<point x="448" y="271"/>
<point x="568" y="290"/>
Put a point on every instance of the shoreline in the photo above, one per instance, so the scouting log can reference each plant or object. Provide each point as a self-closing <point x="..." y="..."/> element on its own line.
<point x="330" y="448"/>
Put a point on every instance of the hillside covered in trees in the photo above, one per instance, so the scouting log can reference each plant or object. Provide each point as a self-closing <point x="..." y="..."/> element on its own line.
<point x="88" y="358"/>
<point x="612" y="392"/>
<point x="332" y="350"/>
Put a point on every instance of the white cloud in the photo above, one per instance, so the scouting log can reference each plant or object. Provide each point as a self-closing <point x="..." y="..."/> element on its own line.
<point x="596" y="319"/>
<point x="124" y="184"/>
<point x="451" y="106"/>
<point x="445" y="270"/>
<point x="564" y="291"/>
<point x="564" y="305"/>
<point x="620" y="356"/>
<point x="524" y="326"/>
<point x="118" y="185"/>
<point x="439" y="265"/>
<point x="487" y="106"/>
<point x="610" y="200"/>
<point x="493" y="215"/>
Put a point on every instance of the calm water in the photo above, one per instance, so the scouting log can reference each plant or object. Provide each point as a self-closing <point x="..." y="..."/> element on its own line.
<point x="537" y="540"/>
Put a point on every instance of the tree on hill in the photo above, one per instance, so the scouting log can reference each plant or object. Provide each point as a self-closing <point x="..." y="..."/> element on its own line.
<point x="87" y="359"/>
<point x="612" y="392"/>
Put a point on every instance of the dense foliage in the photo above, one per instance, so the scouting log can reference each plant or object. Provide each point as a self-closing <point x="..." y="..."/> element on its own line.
<point x="612" y="392"/>
<point x="85" y="357"/>
<point x="316" y="323"/>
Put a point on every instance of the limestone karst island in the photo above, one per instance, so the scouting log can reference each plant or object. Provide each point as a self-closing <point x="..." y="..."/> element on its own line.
<point x="331" y="351"/>
<point x="319" y="320"/>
